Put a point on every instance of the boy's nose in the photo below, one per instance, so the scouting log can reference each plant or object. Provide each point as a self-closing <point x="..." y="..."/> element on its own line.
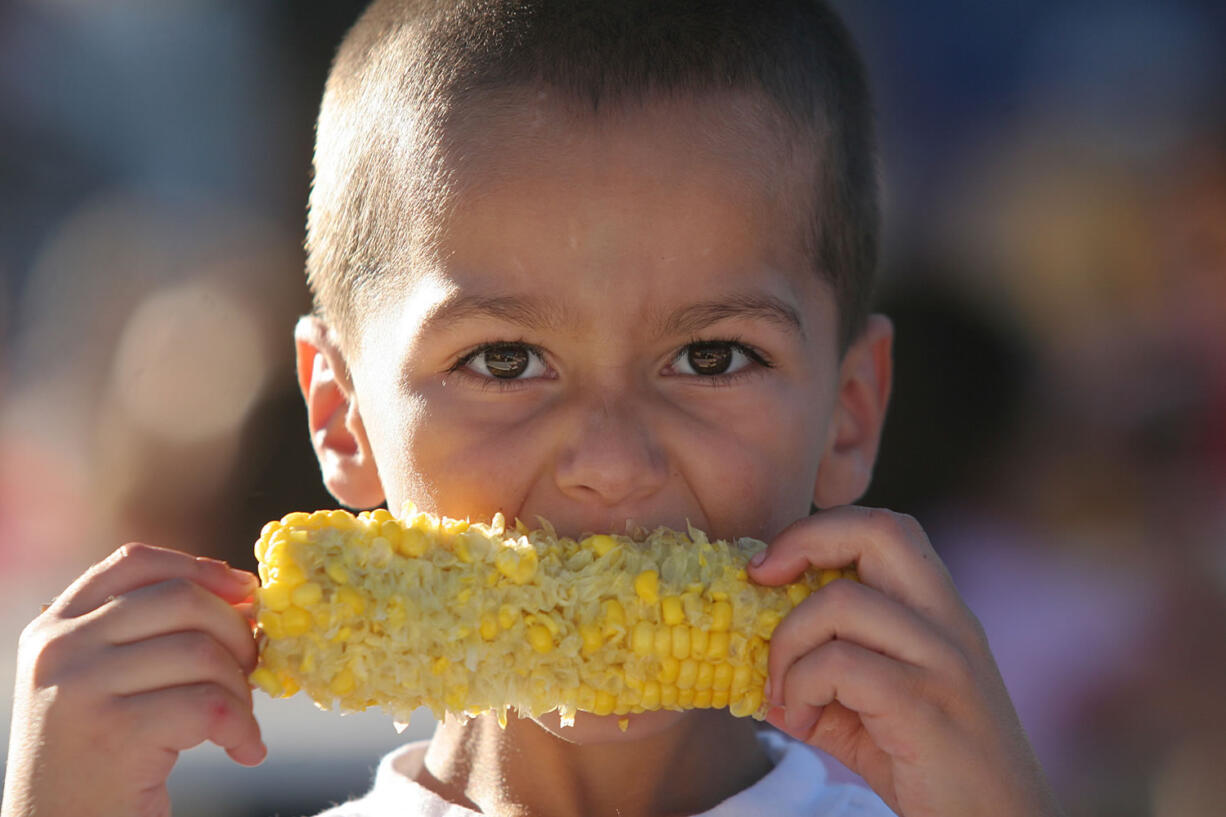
<point x="611" y="456"/>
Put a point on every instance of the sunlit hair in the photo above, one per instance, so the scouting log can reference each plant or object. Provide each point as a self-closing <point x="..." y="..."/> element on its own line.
<point x="411" y="71"/>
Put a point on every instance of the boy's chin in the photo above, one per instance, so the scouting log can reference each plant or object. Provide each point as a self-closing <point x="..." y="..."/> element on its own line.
<point x="591" y="729"/>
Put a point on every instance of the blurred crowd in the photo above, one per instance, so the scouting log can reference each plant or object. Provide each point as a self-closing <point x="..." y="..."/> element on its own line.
<point x="1055" y="264"/>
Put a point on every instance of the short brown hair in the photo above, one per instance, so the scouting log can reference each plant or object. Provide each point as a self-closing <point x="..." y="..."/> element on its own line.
<point x="407" y="66"/>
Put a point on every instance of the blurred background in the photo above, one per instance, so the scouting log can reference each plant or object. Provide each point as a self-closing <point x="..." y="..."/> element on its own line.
<point x="1055" y="263"/>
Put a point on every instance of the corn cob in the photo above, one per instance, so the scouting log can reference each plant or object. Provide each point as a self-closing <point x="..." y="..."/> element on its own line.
<point x="465" y="618"/>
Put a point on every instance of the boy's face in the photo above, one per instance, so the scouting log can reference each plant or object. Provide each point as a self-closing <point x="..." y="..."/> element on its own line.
<point x="621" y="327"/>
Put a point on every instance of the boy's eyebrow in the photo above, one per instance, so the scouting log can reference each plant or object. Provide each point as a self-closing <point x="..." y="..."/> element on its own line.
<point x="535" y="312"/>
<point x="752" y="305"/>
<point x="529" y="312"/>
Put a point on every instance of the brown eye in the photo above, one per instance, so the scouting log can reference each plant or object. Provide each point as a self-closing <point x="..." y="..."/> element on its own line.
<point x="709" y="358"/>
<point x="506" y="361"/>
<point x="716" y="358"/>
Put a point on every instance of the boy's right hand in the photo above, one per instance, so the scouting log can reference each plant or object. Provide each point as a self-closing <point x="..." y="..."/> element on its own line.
<point x="143" y="656"/>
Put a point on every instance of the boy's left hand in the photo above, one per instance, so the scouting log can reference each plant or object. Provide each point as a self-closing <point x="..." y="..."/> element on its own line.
<point x="893" y="675"/>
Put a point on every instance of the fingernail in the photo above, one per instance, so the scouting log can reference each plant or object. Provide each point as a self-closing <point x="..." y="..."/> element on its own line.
<point x="758" y="559"/>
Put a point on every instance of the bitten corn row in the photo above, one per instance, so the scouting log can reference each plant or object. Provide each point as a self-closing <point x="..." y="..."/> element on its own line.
<point x="465" y="618"/>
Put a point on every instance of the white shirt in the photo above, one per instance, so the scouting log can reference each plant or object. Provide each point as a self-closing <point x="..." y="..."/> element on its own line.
<point x="797" y="786"/>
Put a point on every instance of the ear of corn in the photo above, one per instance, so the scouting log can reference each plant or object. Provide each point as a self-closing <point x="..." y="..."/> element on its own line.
<point x="464" y="618"/>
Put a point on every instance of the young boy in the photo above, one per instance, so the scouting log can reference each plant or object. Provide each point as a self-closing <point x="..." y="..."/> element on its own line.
<point x="600" y="263"/>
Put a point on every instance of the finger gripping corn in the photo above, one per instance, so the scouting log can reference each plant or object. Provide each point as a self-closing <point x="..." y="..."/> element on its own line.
<point x="370" y="610"/>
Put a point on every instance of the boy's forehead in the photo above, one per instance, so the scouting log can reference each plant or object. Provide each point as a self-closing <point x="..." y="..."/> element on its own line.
<point x="739" y="135"/>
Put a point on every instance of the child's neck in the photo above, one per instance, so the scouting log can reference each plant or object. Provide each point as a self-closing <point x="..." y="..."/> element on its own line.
<point x="524" y="770"/>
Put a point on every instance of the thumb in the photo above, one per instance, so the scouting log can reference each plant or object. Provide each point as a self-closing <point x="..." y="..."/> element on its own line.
<point x="765" y="567"/>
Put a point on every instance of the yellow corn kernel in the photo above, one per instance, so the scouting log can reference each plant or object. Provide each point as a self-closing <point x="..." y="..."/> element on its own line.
<point x="489" y="626"/>
<point x="290" y="574"/>
<point x="643" y="638"/>
<point x="413" y="543"/>
<point x="351" y="599"/>
<point x="669" y="669"/>
<point x="614" y="618"/>
<point x="288" y="685"/>
<point x="717" y="647"/>
<point x="341" y="520"/>
<point x="702" y="698"/>
<point x="518" y="565"/>
<point x="540" y="639"/>
<point x="507" y="616"/>
<point x="699" y="640"/>
<point x="663" y="641"/>
<point x="439" y="665"/>
<point x="453" y="526"/>
<point x="605" y="702"/>
<point x="746" y="704"/>
<point x="668" y="696"/>
<point x="721" y="677"/>
<point x="705" y="677"/>
<point x="687" y="674"/>
<point x="592" y="639"/>
<point x="264" y="678"/>
<point x="681" y="641"/>
<point x="797" y="593"/>
<point x="672" y="611"/>
<point x="647" y="586"/>
<point x="343" y="682"/>
<point x="741" y="676"/>
<point x="468" y="546"/>
<point x="336" y="572"/>
<point x="600" y="543"/>
<point x="306" y="595"/>
<point x="685" y="698"/>
<point x="585" y="698"/>
<point x="270" y="623"/>
<point x="721" y="616"/>
<point x="296" y="621"/>
<point x="651" y="695"/>
<point x="275" y="597"/>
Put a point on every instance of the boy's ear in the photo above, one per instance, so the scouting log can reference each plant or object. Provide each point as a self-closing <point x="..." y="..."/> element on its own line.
<point x="859" y="414"/>
<point x="337" y="433"/>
